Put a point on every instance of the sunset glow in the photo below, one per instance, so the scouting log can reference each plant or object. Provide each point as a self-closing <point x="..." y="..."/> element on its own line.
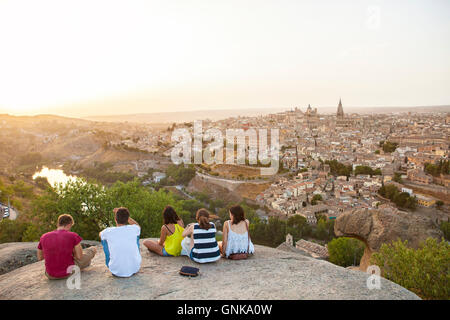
<point x="67" y="57"/>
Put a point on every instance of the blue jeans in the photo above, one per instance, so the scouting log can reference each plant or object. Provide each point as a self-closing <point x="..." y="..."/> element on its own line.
<point x="165" y="254"/>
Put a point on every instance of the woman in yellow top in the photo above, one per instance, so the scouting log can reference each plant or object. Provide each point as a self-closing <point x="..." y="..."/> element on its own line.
<point x="169" y="244"/>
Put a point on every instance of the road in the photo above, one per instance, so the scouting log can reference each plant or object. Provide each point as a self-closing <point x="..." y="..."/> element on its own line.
<point x="13" y="214"/>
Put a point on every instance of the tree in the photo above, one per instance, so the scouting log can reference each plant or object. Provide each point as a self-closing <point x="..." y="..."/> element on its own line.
<point x="92" y="205"/>
<point x="367" y="170"/>
<point x="321" y="231"/>
<point x="389" y="147"/>
<point x="442" y="167"/>
<point x="425" y="270"/>
<point x="12" y="230"/>
<point x="31" y="234"/>
<point x="401" y="199"/>
<point x="298" y="227"/>
<point x="345" y="251"/>
<point x="445" y="227"/>
<point x="191" y="206"/>
<point x="339" y="169"/>
<point x="179" y="174"/>
<point x="397" y="177"/>
<point x="316" y="197"/>
<point x="363" y="170"/>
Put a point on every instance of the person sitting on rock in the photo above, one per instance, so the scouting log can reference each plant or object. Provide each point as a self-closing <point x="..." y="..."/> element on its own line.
<point x="121" y="245"/>
<point x="236" y="238"/>
<point x="169" y="244"/>
<point x="203" y="245"/>
<point x="61" y="249"/>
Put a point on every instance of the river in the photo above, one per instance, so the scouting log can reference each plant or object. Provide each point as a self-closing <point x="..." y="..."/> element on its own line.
<point x="54" y="176"/>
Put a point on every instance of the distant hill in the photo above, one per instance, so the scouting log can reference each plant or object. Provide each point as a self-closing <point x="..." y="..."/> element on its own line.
<point x="44" y="117"/>
<point x="189" y="116"/>
<point x="185" y="116"/>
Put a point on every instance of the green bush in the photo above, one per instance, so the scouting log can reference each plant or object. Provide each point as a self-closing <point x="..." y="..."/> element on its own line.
<point x="367" y="170"/>
<point x="345" y="251"/>
<point x="31" y="233"/>
<point x="401" y="199"/>
<point x="388" y="146"/>
<point x="442" y="167"/>
<point x="424" y="271"/>
<point x="339" y="169"/>
<point x="445" y="227"/>
<point x="179" y="174"/>
<point x="12" y="230"/>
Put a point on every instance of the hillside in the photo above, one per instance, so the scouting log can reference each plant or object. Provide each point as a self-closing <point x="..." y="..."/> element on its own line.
<point x="229" y="190"/>
<point x="269" y="274"/>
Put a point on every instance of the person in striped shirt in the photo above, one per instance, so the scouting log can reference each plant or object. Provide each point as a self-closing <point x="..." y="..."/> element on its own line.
<point x="204" y="247"/>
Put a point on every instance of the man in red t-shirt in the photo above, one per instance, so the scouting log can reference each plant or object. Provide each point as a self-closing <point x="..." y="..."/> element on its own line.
<point x="61" y="249"/>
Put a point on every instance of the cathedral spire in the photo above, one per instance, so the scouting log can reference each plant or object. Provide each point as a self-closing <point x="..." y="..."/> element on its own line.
<point x="340" y="110"/>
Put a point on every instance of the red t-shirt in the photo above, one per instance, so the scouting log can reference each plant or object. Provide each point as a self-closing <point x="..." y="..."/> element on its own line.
<point x="58" y="251"/>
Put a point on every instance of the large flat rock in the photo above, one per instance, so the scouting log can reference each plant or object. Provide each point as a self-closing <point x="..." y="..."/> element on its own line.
<point x="14" y="255"/>
<point x="269" y="274"/>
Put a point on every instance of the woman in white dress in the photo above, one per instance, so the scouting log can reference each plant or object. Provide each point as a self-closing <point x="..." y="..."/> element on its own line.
<point x="236" y="237"/>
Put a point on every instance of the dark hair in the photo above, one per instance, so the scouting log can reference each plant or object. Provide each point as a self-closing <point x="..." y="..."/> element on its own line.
<point x="237" y="214"/>
<point x="64" y="220"/>
<point x="170" y="215"/>
<point x="202" y="217"/>
<point x="122" y="215"/>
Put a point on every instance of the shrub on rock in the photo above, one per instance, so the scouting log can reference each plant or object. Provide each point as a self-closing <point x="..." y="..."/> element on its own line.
<point x="424" y="271"/>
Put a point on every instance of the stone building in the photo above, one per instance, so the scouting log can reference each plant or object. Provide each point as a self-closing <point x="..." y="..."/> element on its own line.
<point x="341" y="120"/>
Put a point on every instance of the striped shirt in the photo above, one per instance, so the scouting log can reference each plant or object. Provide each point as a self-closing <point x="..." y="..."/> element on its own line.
<point x="205" y="247"/>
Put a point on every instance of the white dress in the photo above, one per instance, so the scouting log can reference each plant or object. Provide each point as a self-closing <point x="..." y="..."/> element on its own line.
<point x="238" y="243"/>
<point x="186" y="246"/>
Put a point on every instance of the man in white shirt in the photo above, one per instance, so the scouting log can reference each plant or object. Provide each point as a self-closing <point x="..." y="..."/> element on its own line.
<point x="121" y="245"/>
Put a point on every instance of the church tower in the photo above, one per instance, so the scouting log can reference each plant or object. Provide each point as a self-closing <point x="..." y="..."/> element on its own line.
<point x="340" y="111"/>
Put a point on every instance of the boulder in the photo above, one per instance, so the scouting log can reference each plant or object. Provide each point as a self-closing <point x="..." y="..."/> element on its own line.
<point x="269" y="274"/>
<point x="377" y="226"/>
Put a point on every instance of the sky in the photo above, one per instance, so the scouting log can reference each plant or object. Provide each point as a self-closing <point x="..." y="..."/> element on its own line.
<point x="82" y="58"/>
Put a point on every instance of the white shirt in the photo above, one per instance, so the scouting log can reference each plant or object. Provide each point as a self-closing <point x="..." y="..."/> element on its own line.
<point x="122" y="247"/>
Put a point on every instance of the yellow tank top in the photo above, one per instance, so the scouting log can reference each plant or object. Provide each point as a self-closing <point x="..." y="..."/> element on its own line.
<point x="173" y="242"/>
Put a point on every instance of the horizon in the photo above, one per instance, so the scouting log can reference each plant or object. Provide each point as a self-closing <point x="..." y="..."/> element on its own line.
<point x="329" y="110"/>
<point x="180" y="57"/>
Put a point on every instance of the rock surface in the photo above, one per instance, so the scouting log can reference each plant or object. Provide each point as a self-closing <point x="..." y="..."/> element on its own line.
<point x="377" y="226"/>
<point x="269" y="274"/>
<point x="18" y="254"/>
<point x="15" y="255"/>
